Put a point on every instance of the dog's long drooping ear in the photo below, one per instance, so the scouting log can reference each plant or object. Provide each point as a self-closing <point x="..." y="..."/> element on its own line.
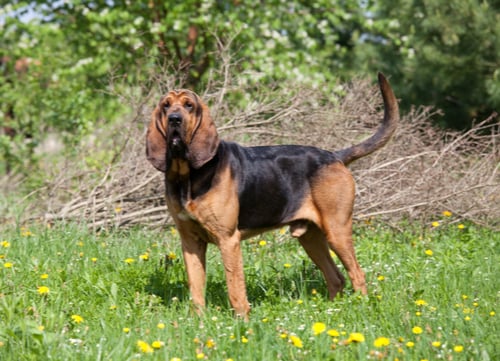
<point x="156" y="141"/>
<point x="205" y="140"/>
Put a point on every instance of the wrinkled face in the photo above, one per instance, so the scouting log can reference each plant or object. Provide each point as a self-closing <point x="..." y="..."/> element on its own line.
<point x="181" y="128"/>
<point x="180" y="113"/>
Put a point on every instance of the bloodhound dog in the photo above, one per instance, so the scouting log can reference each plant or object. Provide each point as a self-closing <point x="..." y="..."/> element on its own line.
<point x="220" y="192"/>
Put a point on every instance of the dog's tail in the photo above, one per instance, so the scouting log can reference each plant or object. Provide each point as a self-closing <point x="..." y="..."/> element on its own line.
<point x="383" y="133"/>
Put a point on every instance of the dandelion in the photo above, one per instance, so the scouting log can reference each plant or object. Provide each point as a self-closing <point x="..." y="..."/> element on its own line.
<point x="420" y="302"/>
<point x="43" y="290"/>
<point x="200" y="355"/>
<point x="410" y="344"/>
<point x="5" y="244"/>
<point x="356" y="337"/>
<point x="77" y="318"/>
<point x="171" y="256"/>
<point x="460" y="226"/>
<point x="175" y="359"/>
<point x="467" y="318"/>
<point x="113" y="307"/>
<point x="8" y="265"/>
<point x="447" y="213"/>
<point x="429" y="252"/>
<point x="160" y="325"/>
<point x="283" y="335"/>
<point x="93" y="259"/>
<point x="40" y="328"/>
<point x="265" y="319"/>
<point x="380" y="278"/>
<point x="210" y="343"/>
<point x="144" y="347"/>
<point x="418" y="313"/>
<point x="381" y="342"/>
<point x="282" y="230"/>
<point x="262" y="243"/>
<point x="44" y="276"/>
<point x="287" y="265"/>
<point x="435" y="224"/>
<point x="333" y="333"/>
<point x="129" y="260"/>
<point x="157" y="344"/>
<point x="318" y="328"/>
<point x="126" y="329"/>
<point x="458" y="348"/>
<point x="313" y="291"/>
<point x="144" y="256"/>
<point x="492" y="313"/>
<point x="417" y="330"/>
<point x="296" y="341"/>
<point x="244" y="339"/>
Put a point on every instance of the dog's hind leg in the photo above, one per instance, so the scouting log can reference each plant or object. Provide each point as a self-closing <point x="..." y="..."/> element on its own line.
<point x="316" y="247"/>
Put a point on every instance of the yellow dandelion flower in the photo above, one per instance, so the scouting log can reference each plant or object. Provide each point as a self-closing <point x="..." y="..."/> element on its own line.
<point x="296" y="341"/>
<point x="356" y="337"/>
<point x="173" y="231"/>
<point x="418" y="313"/>
<point x="417" y="330"/>
<point x="126" y="329"/>
<point x="333" y="333"/>
<point x="93" y="259"/>
<point x="458" y="348"/>
<point x="157" y="344"/>
<point x="172" y="256"/>
<point x="77" y="318"/>
<point x="381" y="342"/>
<point x="44" y="276"/>
<point x="144" y="256"/>
<point x="460" y="226"/>
<point x="492" y="313"/>
<point x="229" y="359"/>
<point x="447" y="213"/>
<point x="43" y="290"/>
<point x="265" y="319"/>
<point x="436" y="344"/>
<point x="464" y="297"/>
<point x="283" y="230"/>
<point x="144" y="347"/>
<point x="8" y="265"/>
<point x="429" y="252"/>
<point x="113" y="307"/>
<point x="287" y="265"/>
<point x="244" y="339"/>
<point x="318" y="328"/>
<point x="410" y="344"/>
<point x="299" y="302"/>
<point x="421" y="302"/>
<point x="435" y="224"/>
<point x="175" y="359"/>
<point x="200" y="355"/>
<point x="210" y="343"/>
<point x="467" y="318"/>
<point x="129" y="260"/>
<point x="262" y="243"/>
<point x="160" y="325"/>
<point x="5" y="244"/>
<point x="40" y="328"/>
<point x="380" y="278"/>
<point x="283" y="335"/>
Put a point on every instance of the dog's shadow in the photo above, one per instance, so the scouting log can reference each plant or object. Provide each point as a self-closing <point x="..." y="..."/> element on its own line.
<point x="169" y="282"/>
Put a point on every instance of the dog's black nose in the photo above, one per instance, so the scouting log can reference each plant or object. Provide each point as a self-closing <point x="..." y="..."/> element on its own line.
<point x="175" y="119"/>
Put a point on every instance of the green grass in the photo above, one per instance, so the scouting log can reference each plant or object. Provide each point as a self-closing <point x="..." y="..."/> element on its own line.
<point x="145" y="299"/>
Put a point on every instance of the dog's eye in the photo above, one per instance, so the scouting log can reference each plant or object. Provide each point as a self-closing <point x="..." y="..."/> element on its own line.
<point x="166" y="105"/>
<point x="189" y="106"/>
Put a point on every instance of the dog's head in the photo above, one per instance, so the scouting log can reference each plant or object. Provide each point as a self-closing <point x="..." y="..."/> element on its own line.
<point x="181" y="128"/>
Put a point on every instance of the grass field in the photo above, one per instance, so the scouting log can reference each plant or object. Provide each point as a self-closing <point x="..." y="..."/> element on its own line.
<point x="69" y="294"/>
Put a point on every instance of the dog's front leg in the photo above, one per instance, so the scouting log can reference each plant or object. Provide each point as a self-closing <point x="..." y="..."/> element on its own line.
<point x="194" y="251"/>
<point x="232" y="259"/>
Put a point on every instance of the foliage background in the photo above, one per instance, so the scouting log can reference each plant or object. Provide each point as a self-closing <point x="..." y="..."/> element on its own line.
<point x="63" y="61"/>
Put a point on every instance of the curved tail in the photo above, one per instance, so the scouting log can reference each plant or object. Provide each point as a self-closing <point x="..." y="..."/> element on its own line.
<point x="383" y="133"/>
